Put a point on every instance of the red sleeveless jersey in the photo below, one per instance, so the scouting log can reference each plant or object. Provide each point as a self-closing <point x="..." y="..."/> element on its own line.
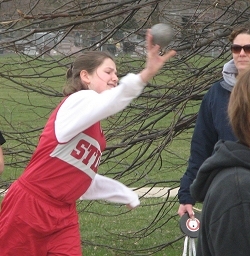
<point x="64" y="171"/>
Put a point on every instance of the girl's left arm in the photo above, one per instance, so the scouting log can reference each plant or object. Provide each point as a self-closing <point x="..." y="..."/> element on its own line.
<point x="104" y="188"/>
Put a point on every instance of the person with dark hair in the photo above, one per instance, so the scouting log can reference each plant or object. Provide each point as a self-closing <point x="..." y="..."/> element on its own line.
<point x="38" y="215"/>
<point x="2" y="141"/>
<point x="212" y="122"/>
<point x="223" y="184"/>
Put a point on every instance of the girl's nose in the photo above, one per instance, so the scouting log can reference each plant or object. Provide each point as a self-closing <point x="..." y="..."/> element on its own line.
<point x="115" y="78"/>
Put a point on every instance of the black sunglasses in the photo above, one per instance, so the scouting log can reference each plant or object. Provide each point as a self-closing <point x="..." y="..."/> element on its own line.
<point x="235" y="48"/>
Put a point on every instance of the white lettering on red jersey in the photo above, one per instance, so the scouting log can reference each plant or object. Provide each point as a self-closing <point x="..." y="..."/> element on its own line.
<point x="85" y="156"/>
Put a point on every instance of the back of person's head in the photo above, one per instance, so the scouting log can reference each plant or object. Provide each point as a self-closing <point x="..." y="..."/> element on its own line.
<point x="239" y="30"/>
<point x="89" y="61"/>
<point x="239" y="108"/>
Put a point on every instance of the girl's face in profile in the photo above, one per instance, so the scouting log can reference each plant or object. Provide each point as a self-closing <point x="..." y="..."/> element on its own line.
<point x="104" y="77"/>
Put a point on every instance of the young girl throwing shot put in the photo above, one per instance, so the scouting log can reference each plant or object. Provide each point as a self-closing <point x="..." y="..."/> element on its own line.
<point x="38" y="215"/>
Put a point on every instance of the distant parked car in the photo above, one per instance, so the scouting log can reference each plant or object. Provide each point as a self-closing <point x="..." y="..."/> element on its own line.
<point x="31" y="51"/>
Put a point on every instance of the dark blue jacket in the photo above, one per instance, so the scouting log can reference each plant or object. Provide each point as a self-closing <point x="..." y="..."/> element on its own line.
<point x="212" y="125"/>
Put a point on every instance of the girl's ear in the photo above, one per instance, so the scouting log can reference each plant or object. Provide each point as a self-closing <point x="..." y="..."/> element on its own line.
<point x="84" y="75"/>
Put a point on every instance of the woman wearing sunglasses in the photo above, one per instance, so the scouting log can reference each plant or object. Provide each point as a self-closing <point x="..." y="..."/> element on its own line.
<point x="240" y="49"/>
<point x="212" y="122"/>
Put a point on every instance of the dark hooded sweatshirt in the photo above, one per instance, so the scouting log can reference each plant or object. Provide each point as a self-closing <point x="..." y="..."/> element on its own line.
<point x="223" y="185"/>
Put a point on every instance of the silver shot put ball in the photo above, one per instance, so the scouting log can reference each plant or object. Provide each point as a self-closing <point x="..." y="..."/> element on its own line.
<point x="162" y="34"/>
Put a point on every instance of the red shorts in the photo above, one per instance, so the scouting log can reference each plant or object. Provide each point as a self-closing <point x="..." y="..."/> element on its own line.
<point x="31" y="225"/>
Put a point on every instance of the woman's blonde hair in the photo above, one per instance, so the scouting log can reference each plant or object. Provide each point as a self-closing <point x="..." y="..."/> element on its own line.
<point x="89" y="61"/>
<point x="239" y="108"/>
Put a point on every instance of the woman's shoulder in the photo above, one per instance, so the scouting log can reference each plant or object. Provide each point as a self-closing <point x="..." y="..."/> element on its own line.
<point x="218" y="86"/>
<point x="217" y="91"/>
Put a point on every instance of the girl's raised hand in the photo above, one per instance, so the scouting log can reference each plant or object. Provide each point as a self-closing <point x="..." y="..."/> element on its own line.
<point x="154" y="61"/>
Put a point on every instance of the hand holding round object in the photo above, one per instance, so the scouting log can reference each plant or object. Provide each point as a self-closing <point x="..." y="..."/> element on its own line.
<point x="190" y="227"/>
<point x="162" y="34"/>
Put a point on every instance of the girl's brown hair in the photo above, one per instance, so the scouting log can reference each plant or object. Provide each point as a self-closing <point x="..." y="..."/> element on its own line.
<point x="239" y="108"/>
<point x="89" y="61"/>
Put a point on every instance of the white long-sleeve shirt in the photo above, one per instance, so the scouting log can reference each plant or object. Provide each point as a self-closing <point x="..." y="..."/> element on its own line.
<point x="66" y="159"/>
<point x="84" y="108"/>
